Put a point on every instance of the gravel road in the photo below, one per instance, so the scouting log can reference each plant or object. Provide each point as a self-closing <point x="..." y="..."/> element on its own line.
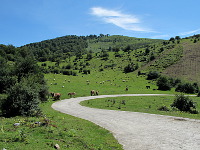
<point x="138" y="131"/>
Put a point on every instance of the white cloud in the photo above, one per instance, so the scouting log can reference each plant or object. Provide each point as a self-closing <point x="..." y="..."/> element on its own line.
<point x="125" y="21"/>
<point x="190" y="32"/>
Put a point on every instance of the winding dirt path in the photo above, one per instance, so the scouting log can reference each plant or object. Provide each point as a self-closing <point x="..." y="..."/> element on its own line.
<point x="138" y="131"/>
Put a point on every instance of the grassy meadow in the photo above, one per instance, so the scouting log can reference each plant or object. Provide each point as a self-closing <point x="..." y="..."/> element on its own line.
<point x="70" y="132"/>
<point x="145" y="104"/>
<point x="106" y="76"/>
<point x="56" y="128"/>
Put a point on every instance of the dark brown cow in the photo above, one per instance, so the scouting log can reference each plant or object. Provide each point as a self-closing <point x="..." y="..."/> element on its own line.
<point x="56" y="96"/>
<point x="72" y="94"/>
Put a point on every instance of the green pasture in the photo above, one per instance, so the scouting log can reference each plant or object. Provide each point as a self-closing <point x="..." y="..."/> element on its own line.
<point x="69" y="132"/>
<point x="145" y="104"/>
<point x="107" y="82"/>
<point x="78" y="134"/>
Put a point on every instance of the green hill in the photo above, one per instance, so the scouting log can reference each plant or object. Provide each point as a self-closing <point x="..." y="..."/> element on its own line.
<point x="175" y="58"/>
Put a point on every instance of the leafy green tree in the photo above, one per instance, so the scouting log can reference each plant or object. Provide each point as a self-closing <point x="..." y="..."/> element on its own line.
<point x="153" y="75"/>
<point x="163" y="84"/>
<point x="89" y="56"/>
<point x="177" y="38"/>
<point x="26" y="66"/>
<point x="187" y="88"/>
<point x="183" y="103"/>
<point x="131" y="67"/>
<point x="22" y="100"/>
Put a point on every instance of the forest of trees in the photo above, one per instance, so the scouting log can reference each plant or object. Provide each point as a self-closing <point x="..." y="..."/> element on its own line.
<point x="22" y="81"/>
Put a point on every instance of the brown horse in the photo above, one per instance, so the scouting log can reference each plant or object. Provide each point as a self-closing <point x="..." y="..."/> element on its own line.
<point x="56" y="96"/>
<point x="97" y="92"/>
<point x="93" y="92"/>
<point x="72" y="94"/>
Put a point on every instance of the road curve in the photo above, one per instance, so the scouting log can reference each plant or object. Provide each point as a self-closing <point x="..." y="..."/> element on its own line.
<point x="138" y="131"/>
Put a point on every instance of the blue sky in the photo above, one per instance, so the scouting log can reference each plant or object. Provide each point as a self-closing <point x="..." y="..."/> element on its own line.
<point x="28" y="21"/>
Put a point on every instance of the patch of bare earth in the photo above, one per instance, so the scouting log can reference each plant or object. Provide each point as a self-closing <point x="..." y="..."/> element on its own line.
<point x="188" y="66"/>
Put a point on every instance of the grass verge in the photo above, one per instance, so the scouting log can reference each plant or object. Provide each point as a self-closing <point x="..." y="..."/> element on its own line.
<point x="54" y="128"/>
<point x="142" y="104"/>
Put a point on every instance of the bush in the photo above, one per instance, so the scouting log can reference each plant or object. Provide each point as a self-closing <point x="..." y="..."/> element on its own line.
<point x="86" y="71"/>
<point x="183" y="103"/>
<point x="130" y="68"/>
<point x="153" y="75"/>
<point x="163" y="84"/>
<point x="187" y="88"/>
<point x="22" y="100"/>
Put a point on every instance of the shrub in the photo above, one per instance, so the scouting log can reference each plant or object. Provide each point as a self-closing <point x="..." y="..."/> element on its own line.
<point x="183" y="103"/>
<point x="130" y="68"/>
<point x="22" y="100"/>
<point x="187" y="88"/>
<point x="153" y="75"/>
<point x="163" y="84"/>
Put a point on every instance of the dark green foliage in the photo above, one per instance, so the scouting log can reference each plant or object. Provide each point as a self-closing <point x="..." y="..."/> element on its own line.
<point x="55" y="48"/>
<point x="163" y="83"/>
<point x="183" y="103"/>
<point x="104" y="55"/>
<point x="177" y="38"/>
<point x="174" y="82"/>
<point x="130" y="68"/>
<point x="69" y="72"/>
<point x="86" y="71"/>
<point x="153" y="75"/>
<point x="22" y="82"/>
<point x="187" y="88"/>
<point x="26" y="66"/>
<point x="89" y="56"/>
<point x="23" y="99"/>
<point x="7" y="78"/>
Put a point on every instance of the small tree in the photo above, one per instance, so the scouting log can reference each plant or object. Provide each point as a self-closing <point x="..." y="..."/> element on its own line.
<point x="163" y="84"/>
<point x="22" y="100"/>
<point x="153" y="75"/>
<point x="183" y="103"/>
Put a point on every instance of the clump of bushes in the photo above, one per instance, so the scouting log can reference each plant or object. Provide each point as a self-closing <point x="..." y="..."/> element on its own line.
<point x="130" y="67"/>
<point x="187" y="88"/>
<point x="184" y="103"/>
<point x="165" y="83"/>
<point x="153" y="75"/>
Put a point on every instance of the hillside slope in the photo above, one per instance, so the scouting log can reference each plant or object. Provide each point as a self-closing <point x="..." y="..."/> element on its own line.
<point x="188" y="66"/>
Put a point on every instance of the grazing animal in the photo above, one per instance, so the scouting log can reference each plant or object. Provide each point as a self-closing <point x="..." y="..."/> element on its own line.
<point x="56" y="96"/>
<point x="97" y="92"/>
<point x="72" y="94"/>
<point x="92" y="93"/>
<point x="52" y="94"/>
<point x="126" y="89"/>
<point x="148" y="87"/>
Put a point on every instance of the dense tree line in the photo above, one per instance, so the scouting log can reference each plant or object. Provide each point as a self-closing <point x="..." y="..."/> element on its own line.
<point x="21" y="81"/>
<point x="58" y="48"/>
<point x="71" y="45"/>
